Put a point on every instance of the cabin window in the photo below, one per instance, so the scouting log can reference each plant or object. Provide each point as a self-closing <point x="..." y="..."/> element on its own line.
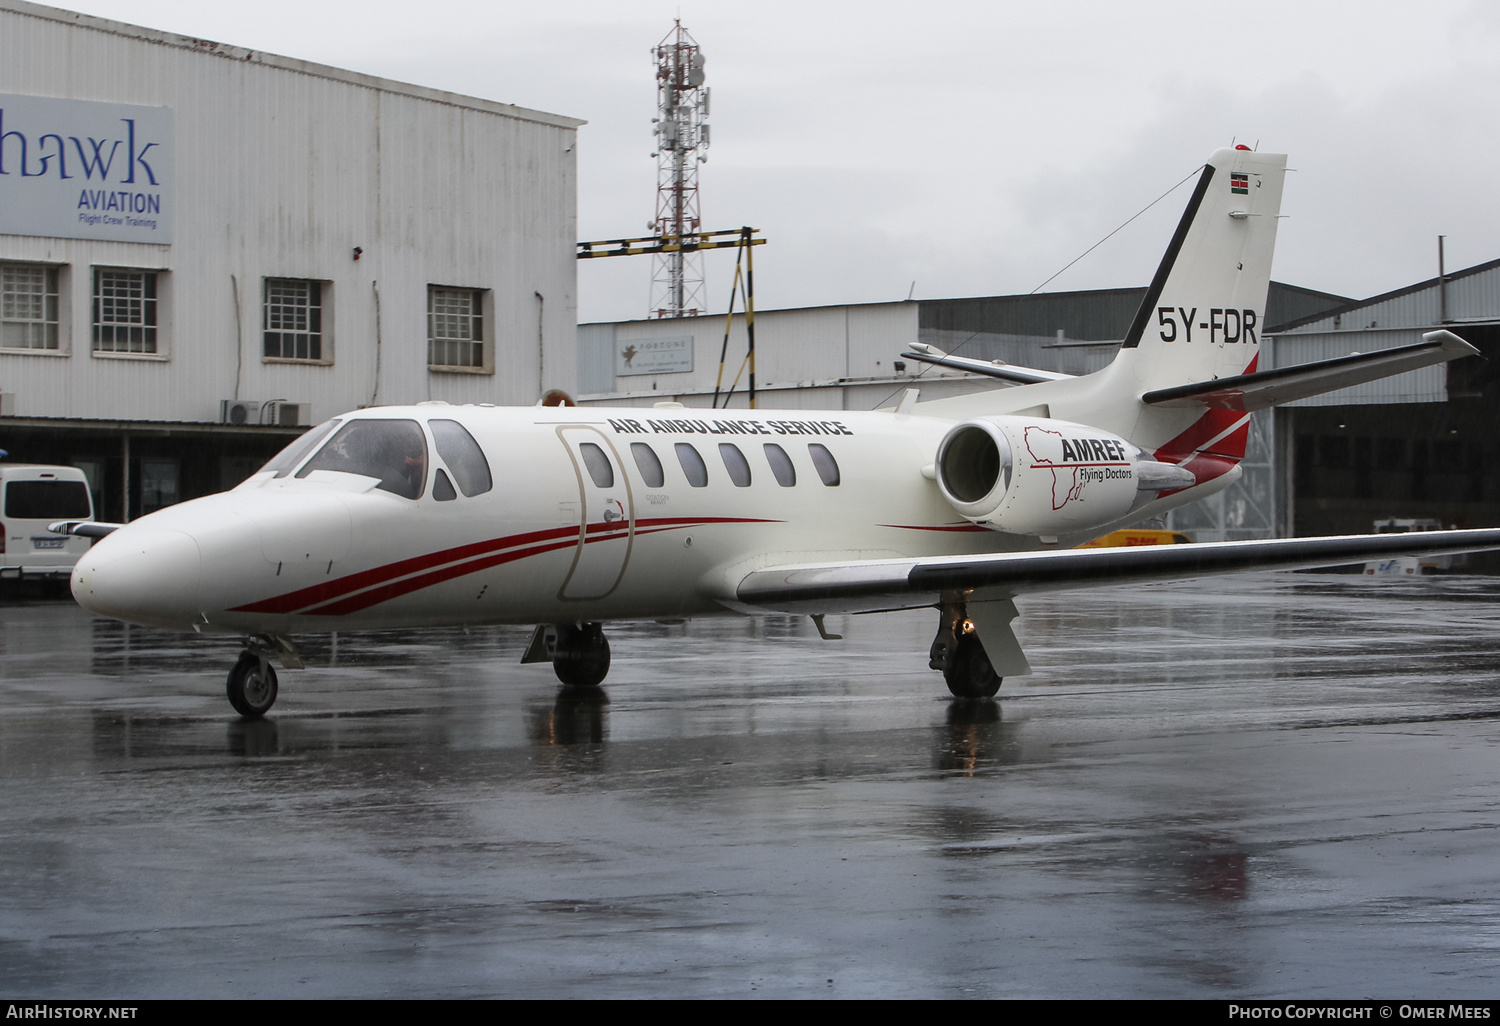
<point x="692" y="465"/>
<point x="736" y="464"/>
<point x="597" y="464"/>
<point x="648" y="464"/>
<point x="781" y="465"/>
<point x="442" y="488"/>
<point x="285" y="461"/>
<point x="463" y="455"/>
<point x="823" y="461"/>
<point x="392" y="451"/>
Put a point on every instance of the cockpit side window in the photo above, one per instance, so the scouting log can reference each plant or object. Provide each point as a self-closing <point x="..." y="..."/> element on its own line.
<point x="395" y="451"/>
<point x="285" y="460"/>
<point x="463" y="455"/>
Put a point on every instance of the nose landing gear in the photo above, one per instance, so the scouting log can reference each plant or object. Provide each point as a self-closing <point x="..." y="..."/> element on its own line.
<point x="252" y="684"/>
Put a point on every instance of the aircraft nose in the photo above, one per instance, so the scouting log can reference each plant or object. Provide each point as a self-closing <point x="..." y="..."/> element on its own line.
<point x="141" y="575"/>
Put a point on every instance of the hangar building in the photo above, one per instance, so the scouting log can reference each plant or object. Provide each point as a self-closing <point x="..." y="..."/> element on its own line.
<point x="1422" y="444"/>
<point x="204" y="247"/>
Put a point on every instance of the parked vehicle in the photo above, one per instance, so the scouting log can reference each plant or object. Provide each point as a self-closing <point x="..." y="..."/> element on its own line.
<point x="1398" y="566"/>
<point x="31" y="497"/>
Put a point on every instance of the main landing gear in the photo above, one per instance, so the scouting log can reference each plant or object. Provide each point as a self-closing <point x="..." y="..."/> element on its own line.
<point x="958" y="653"/>
<point x="579" y="652"/>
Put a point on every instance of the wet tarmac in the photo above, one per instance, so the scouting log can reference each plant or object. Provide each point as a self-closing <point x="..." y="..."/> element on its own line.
<point x="1278" y="786"/>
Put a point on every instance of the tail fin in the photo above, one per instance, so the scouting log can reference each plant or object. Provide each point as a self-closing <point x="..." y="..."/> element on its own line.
<point x="1204" y="312"/>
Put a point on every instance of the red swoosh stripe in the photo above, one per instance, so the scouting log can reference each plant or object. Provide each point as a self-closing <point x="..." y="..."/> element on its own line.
<point x="379" y="584"/>
<point x="927" y="527"/>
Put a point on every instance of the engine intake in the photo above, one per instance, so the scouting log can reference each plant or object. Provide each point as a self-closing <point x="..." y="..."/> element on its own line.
<point x="1047" y="477"/>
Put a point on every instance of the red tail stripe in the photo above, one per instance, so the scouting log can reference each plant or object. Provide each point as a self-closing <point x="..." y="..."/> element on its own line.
<point x="1207" y="427"/>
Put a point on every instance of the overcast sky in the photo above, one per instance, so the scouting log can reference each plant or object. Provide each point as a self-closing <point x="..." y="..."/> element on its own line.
<point x="973" y="148"/>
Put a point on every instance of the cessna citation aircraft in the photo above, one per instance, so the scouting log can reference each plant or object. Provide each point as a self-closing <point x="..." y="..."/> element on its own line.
<point x="571" y="517"/>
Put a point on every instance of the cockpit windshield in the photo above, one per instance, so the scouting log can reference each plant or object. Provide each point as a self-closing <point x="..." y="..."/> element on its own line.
<point x="395" y="451"/>
<point x="283" y="462"/>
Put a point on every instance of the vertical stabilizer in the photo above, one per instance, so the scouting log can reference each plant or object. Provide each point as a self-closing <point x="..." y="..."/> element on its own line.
<point x="1203" y="315"/>
<point x="1204" y="312"/>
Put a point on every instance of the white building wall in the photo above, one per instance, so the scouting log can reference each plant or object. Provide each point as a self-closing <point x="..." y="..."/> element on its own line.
<point x="281" y="169"/>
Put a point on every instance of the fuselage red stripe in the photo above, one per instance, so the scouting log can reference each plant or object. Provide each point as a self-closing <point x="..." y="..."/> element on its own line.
<point x="966" y="528"/>
<point x="384" y="593"/>
<point x="351" y="591"/>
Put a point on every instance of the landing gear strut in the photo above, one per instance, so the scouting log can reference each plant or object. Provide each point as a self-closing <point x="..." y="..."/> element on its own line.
<point x="958" y="652"/>
<point x="579" y="652"/>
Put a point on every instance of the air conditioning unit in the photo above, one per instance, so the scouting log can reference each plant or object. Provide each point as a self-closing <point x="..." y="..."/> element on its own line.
<point x="239" y="411"/>
<point x="274" y="412"/>
<point x="285" y="414"/>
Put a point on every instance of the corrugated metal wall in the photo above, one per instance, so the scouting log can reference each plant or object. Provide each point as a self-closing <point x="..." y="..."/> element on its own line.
<point x="282" y="168"/>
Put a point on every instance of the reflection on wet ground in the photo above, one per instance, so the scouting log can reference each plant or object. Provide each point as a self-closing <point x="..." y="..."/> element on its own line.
<point x="1276" y="787"/>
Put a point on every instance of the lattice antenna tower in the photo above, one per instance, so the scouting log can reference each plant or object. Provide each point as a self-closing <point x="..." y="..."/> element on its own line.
<point x="681" y="131"/>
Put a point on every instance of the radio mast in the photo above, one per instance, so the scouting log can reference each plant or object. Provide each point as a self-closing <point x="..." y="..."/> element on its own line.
<point x="681" y="137"/>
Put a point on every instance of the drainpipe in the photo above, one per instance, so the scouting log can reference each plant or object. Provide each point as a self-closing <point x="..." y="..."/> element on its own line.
<point x="1442" y="285"/>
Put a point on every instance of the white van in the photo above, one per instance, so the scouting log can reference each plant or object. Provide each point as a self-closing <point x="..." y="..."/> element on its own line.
<point x="31" y="497"/>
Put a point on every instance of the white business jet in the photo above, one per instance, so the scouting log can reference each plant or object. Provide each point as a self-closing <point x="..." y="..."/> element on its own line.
<point x="571" y="517"/>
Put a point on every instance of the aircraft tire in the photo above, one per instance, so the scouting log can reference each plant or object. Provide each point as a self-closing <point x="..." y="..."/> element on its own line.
<point x="252" y="686"/>
<point x="969" y="673"/>
<point x="582" y="659"/>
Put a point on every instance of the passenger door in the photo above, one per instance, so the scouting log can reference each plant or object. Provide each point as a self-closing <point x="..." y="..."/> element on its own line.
<point x="606" y="527"/>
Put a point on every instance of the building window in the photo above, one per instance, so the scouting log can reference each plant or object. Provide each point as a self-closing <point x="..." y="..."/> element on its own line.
<point x="124" y="311"/>
<point x="455" y="328"/>
<point x="28" y="306"/>
<point x="292" y="319"/>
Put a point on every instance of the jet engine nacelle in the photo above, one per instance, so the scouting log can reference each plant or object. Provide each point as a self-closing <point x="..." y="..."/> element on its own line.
<point x="1023" y="475"/>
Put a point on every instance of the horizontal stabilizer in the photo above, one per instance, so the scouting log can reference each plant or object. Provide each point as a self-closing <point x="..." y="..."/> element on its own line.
<point x="1249" y="392"/>
<point x="991" y="368"/>
<point x="870" y="585"/>
<point x="83" y="528"/>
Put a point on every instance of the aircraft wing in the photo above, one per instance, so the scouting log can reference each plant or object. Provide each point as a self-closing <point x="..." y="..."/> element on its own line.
<point x="862" y="586"/>
<point x="1250" y="392"/>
